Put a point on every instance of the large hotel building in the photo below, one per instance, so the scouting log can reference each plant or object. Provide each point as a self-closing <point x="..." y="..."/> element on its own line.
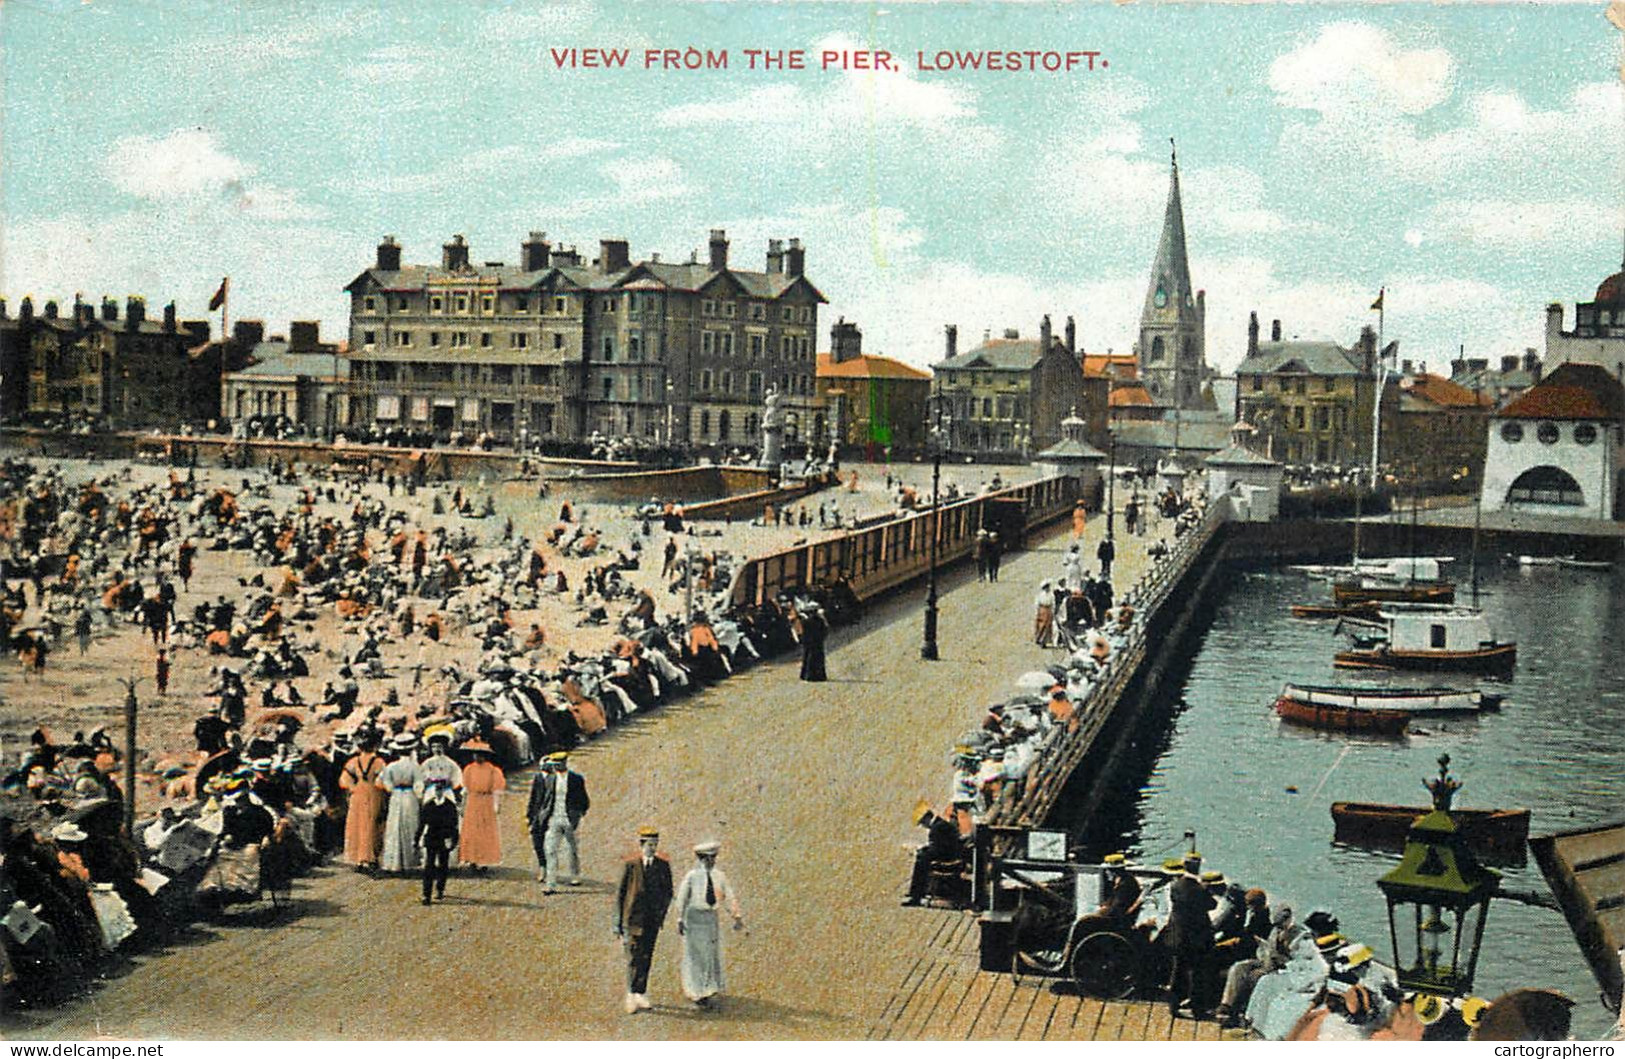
<point x="559" y="347"/>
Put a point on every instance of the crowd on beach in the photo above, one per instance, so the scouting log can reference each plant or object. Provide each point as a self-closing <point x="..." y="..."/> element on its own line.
<point x="438" y="650"/>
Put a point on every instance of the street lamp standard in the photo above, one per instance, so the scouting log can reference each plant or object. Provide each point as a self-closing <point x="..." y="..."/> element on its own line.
<point x="940" y="424"/>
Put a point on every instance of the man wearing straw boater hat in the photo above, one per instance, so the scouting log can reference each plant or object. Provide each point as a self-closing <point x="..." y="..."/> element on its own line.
<point x="640" y="909"/>
<point x="558" y="801"/>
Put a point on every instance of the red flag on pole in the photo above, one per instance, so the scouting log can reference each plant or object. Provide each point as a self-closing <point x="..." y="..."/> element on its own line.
<point x="219" y="298"/>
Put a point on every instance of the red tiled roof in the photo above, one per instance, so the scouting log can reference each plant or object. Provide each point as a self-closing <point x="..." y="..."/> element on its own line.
<point x="1125" y="396"/>
<point x="1436" y="389"/>
<point x="1120" y="365"/>
<point x="1573" y="391"/>
<point x="867" y="366"/>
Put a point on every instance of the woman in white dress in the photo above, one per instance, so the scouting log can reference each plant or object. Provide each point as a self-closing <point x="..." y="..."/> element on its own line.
<point x="400" y="780"/>
<point x="704" y="890"/>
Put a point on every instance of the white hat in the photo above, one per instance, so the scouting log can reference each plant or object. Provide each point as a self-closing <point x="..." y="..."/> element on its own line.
<point x="708" y="848"/>
<point x="68" y="831"/>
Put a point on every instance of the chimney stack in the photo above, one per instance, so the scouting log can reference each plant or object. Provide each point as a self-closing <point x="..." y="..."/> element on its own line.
<point x="109" y="310"/>
<point x="389" y="255"/>
<point x="1368" y="350"/>
<point x="454" y="255"/>
<point x="3" y="315"/>
<point x="135" y="313"/>
<point x="1509" y="363"/>
<point x="169" y="317"/>
<point x="1045" y="337"/>
<point x="1252" y="333"/>
<point x="50" y="310"/>
<point x="795" y="259"/>
<point x="719" y="249"/>
<point x="534" y="252"/>
<point x="198" y="329"/>
<point x="247" y="333"/>
<point x="1071" y="336"/>
<point x="304" y="335"/>
<point x="1275" y="330"/>
<point x="951" y="341"/>
<point x="1531" y="364"/>
<point x="775" y="256"/>
<point x="25" y="312"/>
<point x="845" y="342"/>
<point x="614" y="255"/>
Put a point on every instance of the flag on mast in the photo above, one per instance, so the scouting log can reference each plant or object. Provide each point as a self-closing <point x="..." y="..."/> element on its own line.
<point x="1376" y="306"/>
<point x="219" y="298"/>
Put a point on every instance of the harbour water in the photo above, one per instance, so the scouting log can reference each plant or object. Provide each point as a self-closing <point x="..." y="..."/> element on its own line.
<point x="1258" y="791"/>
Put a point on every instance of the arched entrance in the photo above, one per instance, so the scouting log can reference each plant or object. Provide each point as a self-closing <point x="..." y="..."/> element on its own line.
<point x="1546" y="485"/>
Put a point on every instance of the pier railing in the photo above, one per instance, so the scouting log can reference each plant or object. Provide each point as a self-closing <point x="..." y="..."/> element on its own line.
<point x="881" y="557"/>
<point x="1029" y="803"/>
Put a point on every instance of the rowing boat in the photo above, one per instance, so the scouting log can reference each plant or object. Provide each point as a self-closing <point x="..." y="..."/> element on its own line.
<point x="1342" y="718"/>
<point x="1497" y="834"/>
<point x="1408" y="700"/>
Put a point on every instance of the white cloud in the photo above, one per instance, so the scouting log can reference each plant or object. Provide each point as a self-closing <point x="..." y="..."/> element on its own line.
<point x="1353" y="67"/>
<point x="547" y="21"/>
<point x="774" y="104"/>
<point x="393" y="65"/>
<point x="500" y="162"/>
<point x="186" y="162"/>
<point x="1506" y="224"/>
<point x="647" y="180"/>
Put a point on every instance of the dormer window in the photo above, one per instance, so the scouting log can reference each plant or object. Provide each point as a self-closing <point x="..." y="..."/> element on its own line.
<point x="1160" y="299"/>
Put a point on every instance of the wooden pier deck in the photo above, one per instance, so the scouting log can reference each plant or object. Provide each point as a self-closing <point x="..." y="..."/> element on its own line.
<point x="946" y="996"/>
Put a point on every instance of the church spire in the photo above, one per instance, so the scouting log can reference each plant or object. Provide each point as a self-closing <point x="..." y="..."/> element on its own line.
<point x="1170" y="286"/>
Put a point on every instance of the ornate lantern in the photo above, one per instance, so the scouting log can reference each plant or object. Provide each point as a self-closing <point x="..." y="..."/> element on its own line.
<point x="1438" y="898"/>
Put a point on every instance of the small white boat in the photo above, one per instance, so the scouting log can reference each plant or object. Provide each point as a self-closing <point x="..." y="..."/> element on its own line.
<point x="1569" y="563"/>
<point x="1433" y="636"/>
<point x="1406" y="700"/>
<point x="1535" y="560"/>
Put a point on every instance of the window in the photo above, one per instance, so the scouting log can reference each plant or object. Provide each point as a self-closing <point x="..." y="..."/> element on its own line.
<point x="788" y="314"/>
<point x="521" y="304"/>
<point x="518" y="340"/>
<point x="708" y="307"/>
<point x="609" y="347"/>
<point x="987" y="408"/>
<point x="459" y="339"/>
<point x="708" y="343"/>
<point x="1328" y="384"/>
<point x="726" y="347"/>
<point x="434" y="338"/>
<point x="1258" y="383"/>
<point x="502" y="374"/>
<point x="1547" y="433"/>
<point x="757" y="345"/>
<point x="1322" y="451"/>
<point x="437" y="304"/>
<point x="757" y="311"/>
<point x="1161" y="297"/>
<point x="487" y="303"/>
<point x="1546" y="485"/>
<point x="1512" y="433"/>
<point x="485" y="339"/>
<point x="403" y="338"/>
<point x="801" y="345"/>
<point x="724" y="423"/>
<point x="730" y="310"/>
<point x="727" y="382"/>
<point x="705" y="422"/>
<point x="1157" y="349"/>
<point x="753" y="383"/>
<point x="609" y="387"/>
<point x="1298" y="417"/>
<point x="400" y="305"/>
<point x="462" y="303"/>
<point x="558" y="305"/>
<point x="787" y="346"/>
<point x="558" y="341"/>
<point x="1585" y="434"/>
<point x="1302" y="385"/>
<point x="705" y="380"/>
<point x="607" y="305"/>
<point x="1323" y="419"/>
<point x="369" y="338"/>
<point x="383" y="372"/>
<point x="371" y="304"/>
<point x="1436" y="637"/>
<point x="806" y="314"/>
<point x="634" y="347"/>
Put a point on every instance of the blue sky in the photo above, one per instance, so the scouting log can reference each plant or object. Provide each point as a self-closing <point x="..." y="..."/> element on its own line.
<point x="1471" y="158"/>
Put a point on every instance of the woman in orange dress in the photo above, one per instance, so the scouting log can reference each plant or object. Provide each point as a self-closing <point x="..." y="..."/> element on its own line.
<point x="359" y="781"/>
<point x="483" y="783"/>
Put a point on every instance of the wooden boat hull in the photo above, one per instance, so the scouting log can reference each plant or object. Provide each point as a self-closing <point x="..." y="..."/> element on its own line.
<point x="1414" y="701"/>
<point x="1347" y="592"/>
<point x="1498" y="835"/>
<point x="1500" y="658"/>
<point x="1342" y="718"/>
<point x="1334" y="610"/>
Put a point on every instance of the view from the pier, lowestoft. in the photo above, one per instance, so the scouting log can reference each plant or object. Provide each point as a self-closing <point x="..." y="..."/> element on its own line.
<point x="614" y="523"/>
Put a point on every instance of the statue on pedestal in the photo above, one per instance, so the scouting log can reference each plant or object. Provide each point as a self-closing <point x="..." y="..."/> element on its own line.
<point x="772" y="428"/>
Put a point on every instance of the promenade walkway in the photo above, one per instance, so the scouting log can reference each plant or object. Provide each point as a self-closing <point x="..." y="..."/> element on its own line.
<point x="808" y="787"/>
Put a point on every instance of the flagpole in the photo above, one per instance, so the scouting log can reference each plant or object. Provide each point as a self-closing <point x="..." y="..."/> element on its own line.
<point x="1378" y="381"/>
<point x="225" y="307"/>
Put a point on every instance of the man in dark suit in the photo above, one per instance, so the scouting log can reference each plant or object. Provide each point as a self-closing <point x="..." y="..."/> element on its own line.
<point x="1192" y="937"/>
<point x="943" y="846"/>
<point x="558" y="801"/>
<point x="640" y="910"/>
